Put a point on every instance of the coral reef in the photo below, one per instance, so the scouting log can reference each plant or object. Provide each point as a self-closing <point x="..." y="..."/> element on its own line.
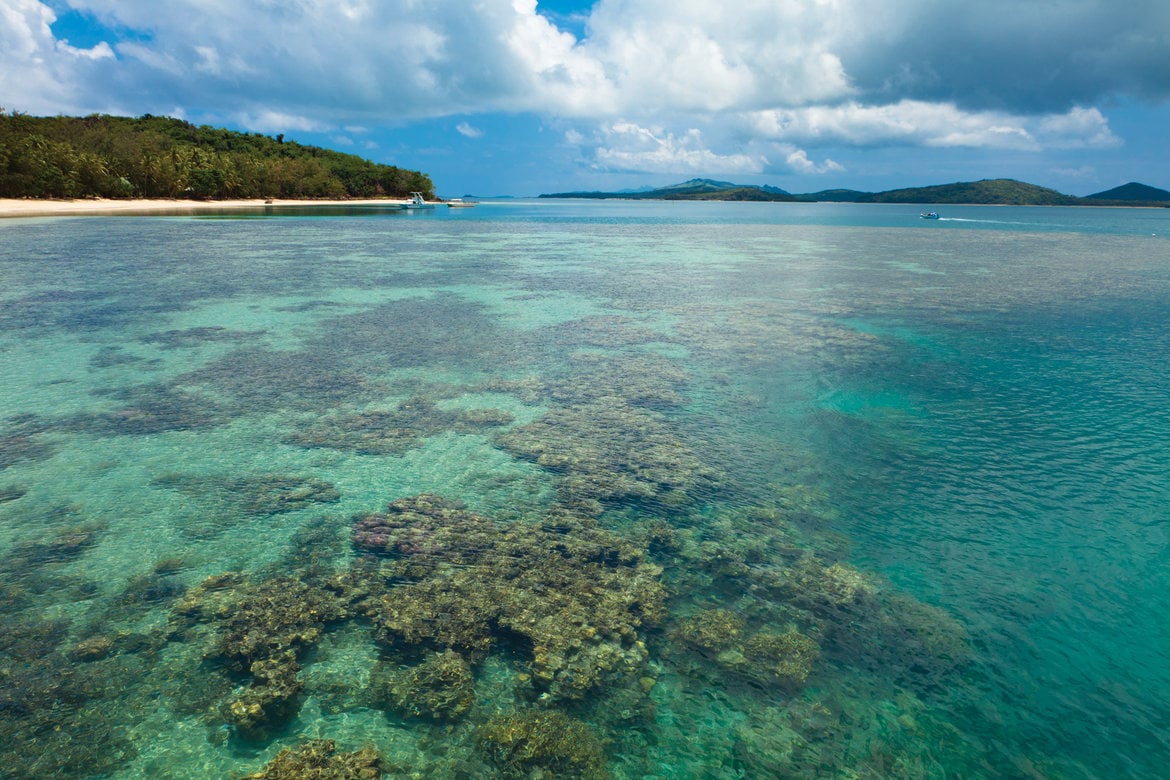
<point x="571" y="595"/>
<point x="711" y="629"/>
<point x="60" y="546"/>
<point x="252" y="496"/>
<point x="269" y="701"/>
<point x="767" y="656"/>
<point x="442" y="687"/>
<point x="193" y="337"/>
<point x="20" y="440"/>
<point x="259" y="379"/>
<point x="260" y="627"/>
<point x="542" y="743"/>
<point x="764" y="657"/>
<point x="615" y="455"/>
<point x="642" y="379"/>
<point x="318" y="759"/>
<point x="444" y="329"/>
<point x="395" y="432"/>
<point x="59" y="718"/>
<point x="151" y="409"/>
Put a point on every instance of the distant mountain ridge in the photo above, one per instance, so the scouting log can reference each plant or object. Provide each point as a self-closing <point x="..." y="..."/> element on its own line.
<point x="692" y="189"/>
<point x="1008" y="192"/>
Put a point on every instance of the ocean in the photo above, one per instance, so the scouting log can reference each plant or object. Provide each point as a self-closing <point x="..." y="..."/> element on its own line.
<point x="553" y="488"/>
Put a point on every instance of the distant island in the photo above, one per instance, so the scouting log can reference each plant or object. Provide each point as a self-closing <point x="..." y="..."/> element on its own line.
<point x="1007" y="192"/>
<point x="104" y="156"/>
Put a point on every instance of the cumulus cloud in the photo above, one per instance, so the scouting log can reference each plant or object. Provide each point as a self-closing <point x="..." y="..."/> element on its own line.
<point x="806" y="73"/>
<point x="696" y="55"/>
<point x="40" y="73"/>
<point x="912" y="122"/>
<point x="798" y="162"/>
<point x="630" y="147"/>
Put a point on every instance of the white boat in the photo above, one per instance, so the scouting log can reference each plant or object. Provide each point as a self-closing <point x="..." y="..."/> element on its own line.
<point x="417" y="201"/>
<point x="929" y="215"/>
<point x="459" y="203"/>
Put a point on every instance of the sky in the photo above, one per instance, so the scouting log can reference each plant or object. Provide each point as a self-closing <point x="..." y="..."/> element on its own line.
<point x="523" y="97"/>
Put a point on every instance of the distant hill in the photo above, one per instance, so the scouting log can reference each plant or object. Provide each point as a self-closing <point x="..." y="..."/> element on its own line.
<point x="1133" y="192"/>
<point x="1008" y="192"/>
<point x="159" y="157"/>
<point x="836" y="196"/>
<point x="693" y="189"/>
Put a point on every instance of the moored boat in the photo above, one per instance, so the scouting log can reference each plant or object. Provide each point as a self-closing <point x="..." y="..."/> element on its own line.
<point x="417" y="201"/>
<point x="459" y="203"/>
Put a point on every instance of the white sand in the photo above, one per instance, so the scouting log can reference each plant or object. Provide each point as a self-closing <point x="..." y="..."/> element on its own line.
<point x="12" y="207"/>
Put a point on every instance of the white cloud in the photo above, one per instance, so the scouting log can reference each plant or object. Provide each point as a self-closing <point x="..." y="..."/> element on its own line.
<point x="630" y="147"/>
<point x="807" y="73"/>
<point x="277" y="122"/>
<point x="918" y="123"/>
<point x="799" y="162"/>
<point x="699" y="55"/>
<point x="40" y="73"/>
<point x="467" y="130"/>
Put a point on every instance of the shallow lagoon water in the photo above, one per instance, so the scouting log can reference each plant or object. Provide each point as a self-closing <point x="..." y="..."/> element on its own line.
<point x="753" y="490"/>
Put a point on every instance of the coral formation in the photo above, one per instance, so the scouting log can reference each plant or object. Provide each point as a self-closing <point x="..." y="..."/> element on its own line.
<point x="613" y="455"/>
<point x="542" y="743"/>
<point x="20" y="440"/>
<point x="60" y="546"/>
<point x="150" y="409"/>
<point x="442" y="687"/>
<point x="711" y="629"/>
<point x="253" y="496"/>
<point x="318" y="759"/>
<point x="786" y="657"/>
<point x="193" y="337"/>
<point x="395" y="432"/>
<point x="259" y="379"/>
<point x="570" y="594"/>
<point x="259" y="630"/>
<point x="269" y="701"/>
<point x="65" y="717"/>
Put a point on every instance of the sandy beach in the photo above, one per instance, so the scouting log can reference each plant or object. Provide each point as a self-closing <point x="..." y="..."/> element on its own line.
<point x="21" y="207"/>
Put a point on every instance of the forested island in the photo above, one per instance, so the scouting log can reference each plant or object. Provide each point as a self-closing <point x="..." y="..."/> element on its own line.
<point x="102" y="156"/>
<point x="1007" y="192"/>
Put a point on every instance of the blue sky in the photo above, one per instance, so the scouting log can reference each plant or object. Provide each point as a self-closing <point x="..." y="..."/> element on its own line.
<point x="523" y="97"/>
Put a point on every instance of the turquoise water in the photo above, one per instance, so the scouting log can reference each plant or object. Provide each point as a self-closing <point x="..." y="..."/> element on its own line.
<point x="587" y="489"/>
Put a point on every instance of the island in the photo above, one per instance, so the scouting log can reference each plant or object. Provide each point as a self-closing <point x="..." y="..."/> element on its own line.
<point x="155" y="157"/>
<point x="1006" y="192"/>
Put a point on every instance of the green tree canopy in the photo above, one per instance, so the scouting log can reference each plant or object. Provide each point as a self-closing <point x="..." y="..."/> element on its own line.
<point x="162" y="157"/>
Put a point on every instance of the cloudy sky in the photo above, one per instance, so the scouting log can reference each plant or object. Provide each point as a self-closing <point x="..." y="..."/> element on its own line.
<point x="522" y="97"/>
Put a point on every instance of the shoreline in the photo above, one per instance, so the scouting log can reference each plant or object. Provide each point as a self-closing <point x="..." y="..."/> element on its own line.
<point x="33" y="207"/>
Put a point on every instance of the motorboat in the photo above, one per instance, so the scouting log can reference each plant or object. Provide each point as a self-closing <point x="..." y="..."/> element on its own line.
<point x="417" y="201"/>
<point x="929" y="215"/>
<point x="459" y="203"/>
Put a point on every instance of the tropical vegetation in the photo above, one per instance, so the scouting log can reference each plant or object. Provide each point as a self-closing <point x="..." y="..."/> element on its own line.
<point x="162" y="157"/>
